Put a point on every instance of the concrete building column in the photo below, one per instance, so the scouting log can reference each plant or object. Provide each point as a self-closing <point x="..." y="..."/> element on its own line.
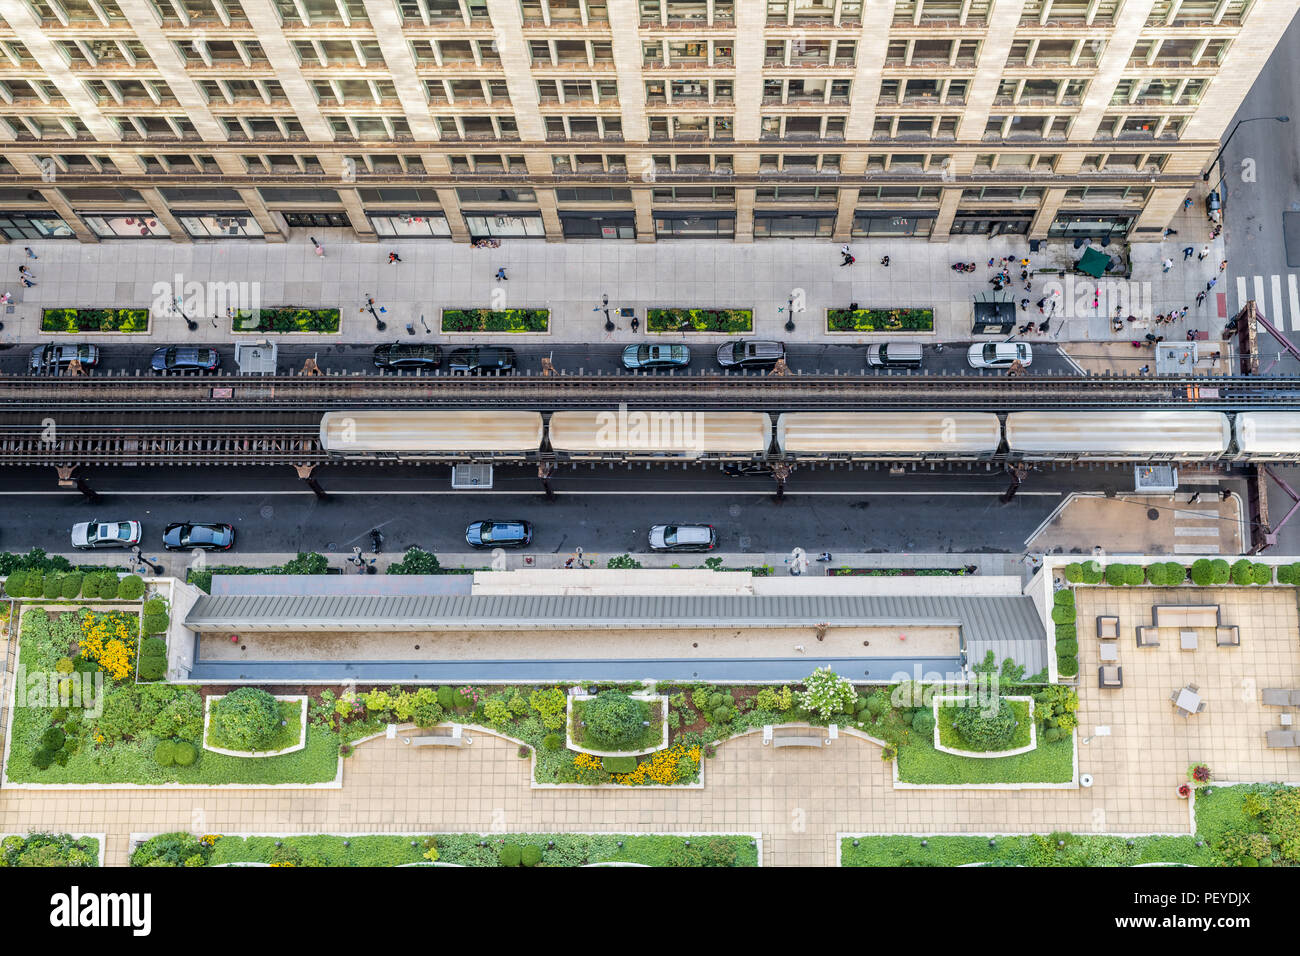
<point x="872" y="47"/>
<point x="176" y="232"/>
<point x="751" y="18"/>
<point x="1120" y="41"/>
<point x="449" y="202"/>
<point x="267" y="25"/>
<point x="847" y="200"/>
<point x="508" y="34"/>
<point x="642" y="199"/>
<point x="949" y="200"/>
<point x="55" y="198"/>
<point x="549" y="209"/>
<point x="624" y="27"/>
<point x="386" y="20"/>
<point x="272" y="224"/>
<point x="352" y="205"/>
<point x="1046" y="214"/>
<point x="1003" y="25"/>
<point x="745" y="215"/>
<point x="1161" y="207"/>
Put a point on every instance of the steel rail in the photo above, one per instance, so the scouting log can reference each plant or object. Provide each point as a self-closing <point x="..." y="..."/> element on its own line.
<point x="237" y="396"/>
<point x="224" y="445"/>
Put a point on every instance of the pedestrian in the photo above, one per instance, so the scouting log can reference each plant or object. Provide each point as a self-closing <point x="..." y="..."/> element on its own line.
<point x="1187" y="253"/>
<point x="1167" y="265"/>
<point x="1042" y="302"/>
<point x="1024" y="274"/>
<point x="1205" y="251"/>
<point x="1191" y="335"/>
<point x="27" y="283"/>
<point x="320" y="250"/>
<point x="1024" y="263"/>
<point x="848" y="261"/>
<point x="24" y="271"/>
<point x="1226" y="494"/>
<point x="1210" y="285"/>
<point x="1183" y="314"/>
<point x="1144" y="370"/>
<point x="1023" y="329"/>
<point x="990" y="263"/>
<point x="30" y="254"/>
<point x="1029" y="287"/>
<point x="1170" y="232"/>
<point x="847" y="255"/>
<point x="1214" y="357"/>
<point x="501" y="274"/>
<point x="1196" y="496"/>
<point x="1187" y="203"/>
<point x="569" y="563"/>
<point x="1223" y="265"/>
<point x="1200" y="299"/>
<point x="1024" y="304"/>
<point x="1032" y="328"/>
<point x="825" y="556"/>
<point x="1042" y="326"/>
<point x="393" y="257"/>
<point x="884" y="261"/>
<point x="6" y="298"/>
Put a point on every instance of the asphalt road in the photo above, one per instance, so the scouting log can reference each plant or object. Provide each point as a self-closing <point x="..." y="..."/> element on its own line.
<point x="602" y="510"/>
<point x="590" y="357"/>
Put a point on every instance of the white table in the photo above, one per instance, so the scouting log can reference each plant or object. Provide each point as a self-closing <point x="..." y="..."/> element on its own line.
<point x="1286" y="720"/>
<point x="1108" y="652"/>
<point x="1188" y="701"/>
<point x="1189" y="640"/>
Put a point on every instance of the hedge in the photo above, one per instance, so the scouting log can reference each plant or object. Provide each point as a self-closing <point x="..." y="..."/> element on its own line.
<point x="1124" y="575"/>
<point x="488" y="320"/>
<point x="1065" y="632"/>
<point x="1288" y="574"/>
<point x="618" y="764"/>
<point x="1087" y="572"/>
<point x="1063" y="598"/>
<point x="287" y="319"/>
<point x="1063" y="615"/>
<point x="130" y="588"/>
<point x="1210" y="571"/>
<point x="94" y="320"/>
<point x="699" y="320"/>
<point x="1067" y="647"/>
<point x="1245" y="572"/>
<point x="1166" y="574"/>
<point x="1067" y="666"/>
<point x="880" y="320"/>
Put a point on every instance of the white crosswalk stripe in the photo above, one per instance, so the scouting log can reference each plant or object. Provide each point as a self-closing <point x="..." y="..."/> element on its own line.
<point x="1282" y="309"/>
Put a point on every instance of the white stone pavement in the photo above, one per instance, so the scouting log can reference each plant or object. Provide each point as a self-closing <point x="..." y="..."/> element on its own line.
<point x="570" y="278"/>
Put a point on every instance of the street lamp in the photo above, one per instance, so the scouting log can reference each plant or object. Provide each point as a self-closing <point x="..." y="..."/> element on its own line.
<point x="139" y="556"/>
<point x="1205" y="176"/>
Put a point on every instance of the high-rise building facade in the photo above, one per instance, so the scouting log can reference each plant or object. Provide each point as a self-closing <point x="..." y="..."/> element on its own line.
<point x="616" y="119"/>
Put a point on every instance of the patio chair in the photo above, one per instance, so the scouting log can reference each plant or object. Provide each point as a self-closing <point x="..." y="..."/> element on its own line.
<point x="1227" y="636"/>
<point x="1173" y="697"/>
<point x="1194" y="688"/>
<point x="1107" y="627"/>
<point x="1295" y="698"/>
<point x="1147" y="636"/>
<point x="1200" y="708"/>
<point x="1281" y="739"/>
<point x="1110" y="676"/>
<point x="1277" y="697"/>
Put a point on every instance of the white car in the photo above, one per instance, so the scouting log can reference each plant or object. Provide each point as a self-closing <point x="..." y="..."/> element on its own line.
<point x="683" y="537"/>
<point x="105" y="534"/>
<point x="999" y="354"/>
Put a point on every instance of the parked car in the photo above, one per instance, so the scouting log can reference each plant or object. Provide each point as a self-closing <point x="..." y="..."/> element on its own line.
<point x="747" y="469"/>
<point x="204" y="535"/>
<point x="894" y="355"/>
<point x="46" y="357"/>
<point x="999" y="354"/>
<point x="683" y="537"/>
<point x="185" y="358"/>
<point x="402" y="355"/>
<point x="499" y="534"/>
<point x="750" y="353"/>
<point x="105" y="534"/>
<point x="656" y="356"/>
<point x="478" y="359"/>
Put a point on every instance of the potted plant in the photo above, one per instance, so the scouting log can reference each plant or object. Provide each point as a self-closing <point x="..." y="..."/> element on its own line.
<point x="1184" y="791"/>
<point x="1198" y="773"/>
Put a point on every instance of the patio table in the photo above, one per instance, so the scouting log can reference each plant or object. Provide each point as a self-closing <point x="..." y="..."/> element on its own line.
<point x="1188" y="701"/>
<point x="1188" y="639"/>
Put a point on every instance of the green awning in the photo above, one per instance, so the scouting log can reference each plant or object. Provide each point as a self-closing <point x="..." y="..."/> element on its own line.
<point x="1093" y="263"/>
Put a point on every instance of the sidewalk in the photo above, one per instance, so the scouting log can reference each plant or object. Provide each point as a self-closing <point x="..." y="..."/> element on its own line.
<point x="570" y="279"/>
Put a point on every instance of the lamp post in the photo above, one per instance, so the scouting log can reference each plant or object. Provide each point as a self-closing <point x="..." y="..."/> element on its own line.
<point x="1205" y="176"/>
<point x="139" y="556"/>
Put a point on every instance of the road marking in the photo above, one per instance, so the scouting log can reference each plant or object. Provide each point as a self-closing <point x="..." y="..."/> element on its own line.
<point x="1294" y="292"/>
<point x="1186" y="532"/>
<point x="1196" y="549"/>
<point x="473" y="494"/>
<point x="1279" y="313"/>
<point x="1242" y="294"/>
<point x="1259" y="293"/>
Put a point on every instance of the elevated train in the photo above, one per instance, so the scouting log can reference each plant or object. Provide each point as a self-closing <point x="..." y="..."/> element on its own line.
<point x="852" y="436"/>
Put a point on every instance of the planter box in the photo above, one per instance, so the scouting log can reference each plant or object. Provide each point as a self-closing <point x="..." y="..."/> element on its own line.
<point x="302" y="701"/>
<point x="646" y="698"/>
<point x="985" y="754"/>
<point x="287" y="320"/>
<point x="707" y="321"/>
<point x="898" y="572"/>
<point x="513" y="321"/>
<point x="880" y="321"/>
<point x="98" y="321"/>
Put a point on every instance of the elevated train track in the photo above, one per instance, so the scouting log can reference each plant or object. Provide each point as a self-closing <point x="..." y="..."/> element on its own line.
<point x="237" y="396"/>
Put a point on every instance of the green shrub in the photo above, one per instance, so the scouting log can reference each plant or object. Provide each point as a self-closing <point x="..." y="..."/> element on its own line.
<point x="510" y="854"/>
<point x="531" y="855"/>
<point x="155" y="623"/>
<point x="618" y="764"/>
<point x="35" y="585"/>
<point x="1241" y="572"/>
<point x="613" y="720"/>
<point x="1074" y="573"/>
<point x="1063" y="598"/>
<point x="1288" y="574"/>
<point x="923" y="722"/>
<point x="130" y="588"/>
<point x="623" y="562"/>
<point x="70" y="585"/>
<point x="164" y="754"/>
<point x="416" y="561"/>
<point x="42" y="758"/>
<point x="1066" y="632"/>
<point x="1067" y="648"/>
<point x="723" y="715"/>
<point x="425" y="710"/>
<point x="446" y="697"/>
<point x="153" y="668"/>
<point x="1208" y="572"/>
<point x="185" y="753"/>
<point x="1067" y="666"/>
<point x="461" y="700"/>
<point x="53" y="587"/>
<point x="1092" y="572"/>
<point x="1063" y="615"/>
<point x="1261" y="574"/>
<point x="245" y="719"/>
<point x="1053" y="734"/>
<point x="16" y="583"/>
<point x="984" y="731"/>
<point x="53" y="738"/>
<point x="552" y="742"/>
<point x="1166" y="574"/>
<point x="1124" y="575"/>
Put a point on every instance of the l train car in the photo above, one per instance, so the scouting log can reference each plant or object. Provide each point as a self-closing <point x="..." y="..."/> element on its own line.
<point x="1267" y="436"/>
<point x="496" y="434"/>
<point x="636" y="435"/>
<point x="1122" y="435"/>
<point x="891" y="436"/>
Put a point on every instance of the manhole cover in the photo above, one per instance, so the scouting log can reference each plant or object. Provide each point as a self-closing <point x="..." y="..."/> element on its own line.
<point x="1153" y="514"/>
<point x="266" y="511"/>
<point x="743" y="543"/>
<point x="734" y="511"/>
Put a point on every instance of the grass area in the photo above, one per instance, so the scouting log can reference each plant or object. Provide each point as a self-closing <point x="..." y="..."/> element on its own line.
<point x="699" y="320"/>
<point x="94" y="320"/>
<point x="570" y="849"/>
<point x="290" y="731"/>
<point x="288" y="319"/>
<point x="488" y="320"/>
<point x="49" y="849"/>
<point x="919" y="762"/>
<point x="880" y="320"/>
<point x="950" y="737"/>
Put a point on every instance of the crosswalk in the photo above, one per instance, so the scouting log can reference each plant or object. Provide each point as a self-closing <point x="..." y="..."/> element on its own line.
<point x="1199" y="525"/>
<point x="1280" y="306"/>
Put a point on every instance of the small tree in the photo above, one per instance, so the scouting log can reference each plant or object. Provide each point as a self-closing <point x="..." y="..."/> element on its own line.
<point x="307" y="562"/>
<point x="613" y="720"/>
<point x="826" y="693"/>
<point x="416" y="561"/>
<point x="986" y="731"/>
<point x="246" y="719"/>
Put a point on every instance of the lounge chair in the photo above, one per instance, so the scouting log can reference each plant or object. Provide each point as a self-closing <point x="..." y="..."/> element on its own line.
<point x="1277" y="697"/>
<point x="1227" y="636"/>
<point x="1281" y="739"/>
<point x="1107" y="627"/>
<point x="1200" y="708"/>
<point x="1148" y="636"/>
<point x="1110" y="676"/>
<point x="1295" y="698"/>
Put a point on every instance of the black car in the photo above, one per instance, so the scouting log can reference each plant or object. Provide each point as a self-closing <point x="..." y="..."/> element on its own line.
<point x="185" y="358"/>
<point x="499" y="534"/>
<point x="482" y="359"/>
<point x="206" y="536"/>
<point x="403" y="355"/>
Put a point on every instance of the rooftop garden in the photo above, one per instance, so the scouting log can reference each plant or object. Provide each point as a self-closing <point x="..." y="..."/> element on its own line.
<point x="457" y="849"/>
<point x="1203" y="572"/>
<point x="49" y="849"/>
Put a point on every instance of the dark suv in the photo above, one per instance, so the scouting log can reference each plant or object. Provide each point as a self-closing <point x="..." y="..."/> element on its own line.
<point x="750" y="353"/>
<point x="482" y="359"/>
<point x="402" y="355"/>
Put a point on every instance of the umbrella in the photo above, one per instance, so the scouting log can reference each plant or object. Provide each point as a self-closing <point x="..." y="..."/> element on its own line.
<point x="1094" y="262"/>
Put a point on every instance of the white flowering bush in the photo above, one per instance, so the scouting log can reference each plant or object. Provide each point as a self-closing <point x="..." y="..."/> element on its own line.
<point x="827" y="693"/>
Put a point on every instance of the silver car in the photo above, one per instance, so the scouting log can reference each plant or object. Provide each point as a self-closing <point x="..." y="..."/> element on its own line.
<point x="52" y="356"/>
<point x="683" y="537"/>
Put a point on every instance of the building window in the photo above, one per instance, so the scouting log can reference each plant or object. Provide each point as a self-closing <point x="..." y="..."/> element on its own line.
<point x="21" y="225"/>
<point x="297" y="220"/>
<point x="412" y="224"/>
<point x="220" y="225"/>
<point x="681" y="226"/>
<point x="523" y="226"/>
<point x="126" y="226"/>
<point x="869" y="223"/>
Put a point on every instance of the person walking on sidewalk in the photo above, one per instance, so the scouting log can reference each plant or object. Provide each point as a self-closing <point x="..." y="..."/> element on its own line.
<point x="847" y="255"/>
<point x="1210" y="285"/>
<point x="1187" y="252"/>
<point x="1205" y="251"/>
<point x="884" y="261"/>
<point x="30" y="254"/>
<point x="24" y="271"/>
<point x="501" y="274"/>
<point x="320" y="250"/>
<point x="393" y="257"/>
<point x="1166" y="265"/>
<point x="1196" y="496"/>
<point x="1223" y="265"/>
<point x="1200" y="299"/>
